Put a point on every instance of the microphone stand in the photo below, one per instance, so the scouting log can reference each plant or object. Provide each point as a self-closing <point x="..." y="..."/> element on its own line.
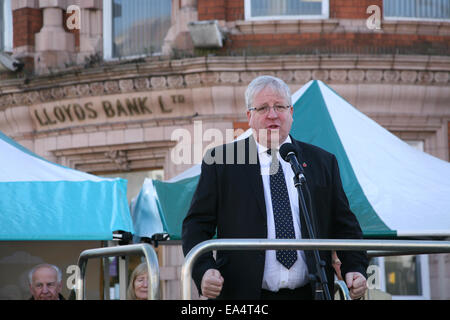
<point x="319" y="280"/>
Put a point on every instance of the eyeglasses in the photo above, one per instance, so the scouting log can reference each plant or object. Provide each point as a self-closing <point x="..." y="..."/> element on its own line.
<point x="265" y="109"/>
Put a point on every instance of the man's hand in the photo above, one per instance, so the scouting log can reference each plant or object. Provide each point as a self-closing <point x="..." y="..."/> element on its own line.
<point x="356" y="284"/>
<point x="212" y="282"/>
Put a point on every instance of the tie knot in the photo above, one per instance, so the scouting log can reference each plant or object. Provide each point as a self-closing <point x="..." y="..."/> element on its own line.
<point x="269" y="151"/>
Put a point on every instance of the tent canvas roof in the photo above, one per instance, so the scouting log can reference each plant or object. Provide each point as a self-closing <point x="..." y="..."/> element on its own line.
<point x="41" y="200"/>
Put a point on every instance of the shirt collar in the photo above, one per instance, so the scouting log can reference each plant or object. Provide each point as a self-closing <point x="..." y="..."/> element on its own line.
<point x="263" y="149"/>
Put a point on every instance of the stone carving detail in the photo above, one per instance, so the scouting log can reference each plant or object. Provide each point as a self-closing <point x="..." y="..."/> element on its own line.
<point x="70" y="91"/>
<point x="57" y="93"/>
<point x="19" y="98"/>
<point x="374" y="75"/>
<point x="356" y="75"/>
<point x="391" y="75"/>
<point x="285" y="75"/>
<point x="97" y="88"/>
<point x="229" y="77"/>
<point x="83" y="90"/>
<point x="338" y="75"/>
<point x="175" y="81"/>
<point x="425" y="76"/>
<point x="126" y="85"/>
<point x="302" y="76"/>
<point x="33" y="97"/>
<point x="112" y="86"/>
<point x="158" y="82"/>
<point x="45" y="95"/>
<point x="209" y="78"/>
<point x="192" y="79"/>
<point x="119" y="157"/>
<point x="320" y="75"/>
<point x="141" y="84"/>
<point x="441" y="77"/>
<point x="247" y="77"/>
<point x="409" y="76"/>
<point x="6" y="100"/>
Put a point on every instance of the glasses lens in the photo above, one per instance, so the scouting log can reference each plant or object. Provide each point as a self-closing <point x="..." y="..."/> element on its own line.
<point x="278" y="109"/>
<point x="263" y="110"/>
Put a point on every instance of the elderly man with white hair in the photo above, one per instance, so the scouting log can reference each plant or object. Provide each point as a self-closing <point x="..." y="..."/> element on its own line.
<point x="45" y="282"/>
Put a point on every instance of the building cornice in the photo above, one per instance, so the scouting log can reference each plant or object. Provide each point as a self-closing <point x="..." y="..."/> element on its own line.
<point x="154" y="75"/>
<point x="400" y="27"/>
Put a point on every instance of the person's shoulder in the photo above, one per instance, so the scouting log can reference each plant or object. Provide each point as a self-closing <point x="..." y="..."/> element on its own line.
<point x="223" y="148"/>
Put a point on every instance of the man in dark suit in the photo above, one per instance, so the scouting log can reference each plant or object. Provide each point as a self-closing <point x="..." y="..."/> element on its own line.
<point x="246" y="191"/>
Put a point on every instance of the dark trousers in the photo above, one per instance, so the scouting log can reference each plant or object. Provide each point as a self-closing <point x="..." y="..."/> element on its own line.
<point x="302" y="293"/>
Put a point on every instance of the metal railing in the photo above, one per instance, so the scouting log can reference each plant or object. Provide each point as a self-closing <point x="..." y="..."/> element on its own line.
<point x="401" y="246"/>
<point x="142" y="249"/>
<point x="341" y="287"/>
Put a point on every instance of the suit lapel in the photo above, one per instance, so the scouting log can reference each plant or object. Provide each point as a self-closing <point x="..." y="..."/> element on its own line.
<point x="252" y="172"/>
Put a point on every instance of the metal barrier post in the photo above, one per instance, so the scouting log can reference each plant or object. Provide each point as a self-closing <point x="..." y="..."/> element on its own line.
<point x="123" y="275"/>
<point x="341" y="287"/>
<point x="143" y="249"/>
<point x="302" y="244"/>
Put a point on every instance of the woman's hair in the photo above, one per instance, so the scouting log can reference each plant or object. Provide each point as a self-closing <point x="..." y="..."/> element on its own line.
<point x="261" y="82"/>
<point x="140" y="269"/>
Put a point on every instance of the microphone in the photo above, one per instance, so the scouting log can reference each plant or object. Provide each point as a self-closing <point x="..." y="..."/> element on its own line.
<point x="289" y="154"/>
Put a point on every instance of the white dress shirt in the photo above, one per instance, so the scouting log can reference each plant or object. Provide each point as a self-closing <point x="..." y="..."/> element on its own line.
<point x="276" y="276"/>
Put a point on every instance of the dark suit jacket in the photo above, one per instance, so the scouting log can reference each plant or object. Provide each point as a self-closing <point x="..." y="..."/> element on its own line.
<point x="230" y="197"/>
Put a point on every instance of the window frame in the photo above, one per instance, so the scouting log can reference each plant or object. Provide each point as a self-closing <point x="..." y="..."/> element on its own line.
<point x="424" y="279"/>
<point x="400" y="18"/>
<point x="417" y="144"/>
<point x="108" y="36"/>
<point x="325" y="14"/>
<point x="7" y="45"/>
<point x="107" y="30"/>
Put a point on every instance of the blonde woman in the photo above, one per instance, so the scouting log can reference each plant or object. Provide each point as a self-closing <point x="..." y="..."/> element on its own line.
<point x="138" y="286"/>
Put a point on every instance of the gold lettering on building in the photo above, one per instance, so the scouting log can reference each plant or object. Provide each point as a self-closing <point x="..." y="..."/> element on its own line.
<point x="115" y="109"/>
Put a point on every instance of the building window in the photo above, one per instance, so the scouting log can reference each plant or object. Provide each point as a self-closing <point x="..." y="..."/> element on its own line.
<point x="6" y="28"/>
<point x="417" y="144"/>
<point x="285" y="9"/>
<point x="416" y="10"/>
<point x="135" y="28"/>
<point x="405" y="277"/>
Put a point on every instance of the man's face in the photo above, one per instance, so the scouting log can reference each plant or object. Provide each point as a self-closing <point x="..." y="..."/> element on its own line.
<point x="272" y="128"/>
<point x="44" y="285"/>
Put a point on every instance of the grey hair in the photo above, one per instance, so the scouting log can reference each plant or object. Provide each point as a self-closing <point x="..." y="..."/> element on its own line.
<point x="140" y="269"/>
<point x="261" y="82"/>
<point x="44" y="265"/>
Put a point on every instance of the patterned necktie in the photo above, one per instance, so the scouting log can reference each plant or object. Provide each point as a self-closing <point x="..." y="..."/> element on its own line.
<point x="284" y="225"/>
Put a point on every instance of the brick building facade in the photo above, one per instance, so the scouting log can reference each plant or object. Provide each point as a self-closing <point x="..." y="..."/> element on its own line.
<point x="396" y="72"/>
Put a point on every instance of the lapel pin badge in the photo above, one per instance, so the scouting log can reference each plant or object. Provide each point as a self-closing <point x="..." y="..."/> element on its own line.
<point x="304" y="165"/>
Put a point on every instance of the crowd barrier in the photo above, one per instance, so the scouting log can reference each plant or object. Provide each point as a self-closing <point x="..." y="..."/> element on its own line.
<point x="397" y="247"/>
<point x="143" y="249"/>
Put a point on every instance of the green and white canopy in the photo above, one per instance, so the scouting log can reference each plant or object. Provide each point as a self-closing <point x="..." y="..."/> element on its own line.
<point x="393" y="189"/>
<point x="40" y="200"/>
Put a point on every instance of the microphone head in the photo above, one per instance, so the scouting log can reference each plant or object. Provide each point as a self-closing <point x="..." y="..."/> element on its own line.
<point x="287" y="148"/>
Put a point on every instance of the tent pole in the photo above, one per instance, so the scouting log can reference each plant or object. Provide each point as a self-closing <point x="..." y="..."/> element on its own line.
<point x="123" y="268"/>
